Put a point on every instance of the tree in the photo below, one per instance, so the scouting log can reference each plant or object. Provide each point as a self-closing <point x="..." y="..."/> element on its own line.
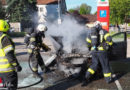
<point x="82" y="9"/>
<point x="119" y="11"/>
<point x="95" y="13"/>
<point x="2" y="11"/>
<point x="21" y="10"/>
<point x="71" y="10"/>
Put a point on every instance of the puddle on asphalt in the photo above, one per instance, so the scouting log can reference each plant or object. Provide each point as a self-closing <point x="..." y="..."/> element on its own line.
<point x="26" y="77"/>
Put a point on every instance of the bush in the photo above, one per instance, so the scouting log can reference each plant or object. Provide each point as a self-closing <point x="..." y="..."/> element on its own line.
<point x="17" y="34"/>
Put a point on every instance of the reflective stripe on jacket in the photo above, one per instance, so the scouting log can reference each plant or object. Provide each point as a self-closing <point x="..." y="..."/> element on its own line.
<point x="5" y="66"/>
<point x="100" y="47"/>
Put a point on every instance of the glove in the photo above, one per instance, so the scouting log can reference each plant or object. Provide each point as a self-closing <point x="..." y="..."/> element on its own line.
<point x="47" y="49"/>
<point x="108" y="47"/>
<point x="89" y="48"/>
<point x="18" y="68"/>
<point x="94" y="47"/>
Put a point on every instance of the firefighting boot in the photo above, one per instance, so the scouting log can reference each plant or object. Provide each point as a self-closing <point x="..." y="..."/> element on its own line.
<point x="85" y="82"/>
<point x="109" y="80"/>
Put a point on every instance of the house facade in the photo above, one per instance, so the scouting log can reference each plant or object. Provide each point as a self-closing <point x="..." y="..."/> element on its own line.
<point x="50" y="10"/>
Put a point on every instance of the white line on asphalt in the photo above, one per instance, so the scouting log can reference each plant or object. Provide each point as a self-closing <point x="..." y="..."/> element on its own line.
<point x="117" y="83"/>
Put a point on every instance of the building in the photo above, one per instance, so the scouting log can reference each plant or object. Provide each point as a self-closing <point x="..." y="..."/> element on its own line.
<point x="3" y="3"/>
<point x="90" y="19"/>
<point x="50" y="10"/>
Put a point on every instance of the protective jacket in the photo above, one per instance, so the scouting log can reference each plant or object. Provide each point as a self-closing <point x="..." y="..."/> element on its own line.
<point x="7" y="60"/>
<point x="35" y="42"/>
<point x="99" y="40"/>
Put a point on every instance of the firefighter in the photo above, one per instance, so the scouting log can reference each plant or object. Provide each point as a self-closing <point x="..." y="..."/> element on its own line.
<point x="98" y="41"/>
<point x="34" y="44"/>
<point x="9" y="65"/>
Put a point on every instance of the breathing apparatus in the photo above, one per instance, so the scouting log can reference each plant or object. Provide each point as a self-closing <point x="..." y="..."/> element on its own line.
<point x="94" y="37"/>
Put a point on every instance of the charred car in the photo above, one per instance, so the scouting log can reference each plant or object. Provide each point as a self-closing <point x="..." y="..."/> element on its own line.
<point x="76" y="61"/>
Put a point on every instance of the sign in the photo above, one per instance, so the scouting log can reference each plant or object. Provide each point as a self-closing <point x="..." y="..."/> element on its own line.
<point x="103" y="13"/>
<point x="103" y="3"/>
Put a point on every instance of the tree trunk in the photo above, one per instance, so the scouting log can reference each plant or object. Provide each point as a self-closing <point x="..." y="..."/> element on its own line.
<point x="125" y="26"/>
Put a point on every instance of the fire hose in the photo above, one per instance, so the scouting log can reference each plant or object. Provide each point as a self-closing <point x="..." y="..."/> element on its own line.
<point x="41" y="78"/>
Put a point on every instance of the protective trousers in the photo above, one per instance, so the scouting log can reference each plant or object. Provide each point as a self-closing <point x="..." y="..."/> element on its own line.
<point x="100" y="56"/>
<point x="10" y="80"/>
<point x="36" y="60"/>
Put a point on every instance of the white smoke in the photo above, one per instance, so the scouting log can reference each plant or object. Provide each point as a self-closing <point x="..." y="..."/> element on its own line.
<point x="73" y="34"/>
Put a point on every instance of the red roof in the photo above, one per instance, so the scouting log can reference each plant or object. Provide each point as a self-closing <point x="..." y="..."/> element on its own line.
<point x="88" y="18"/>
<point x="42" y="2"/>
<point x="3" y="2"/>
<point x="39" y="2"/>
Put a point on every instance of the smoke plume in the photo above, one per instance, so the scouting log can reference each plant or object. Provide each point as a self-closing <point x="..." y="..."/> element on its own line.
<point x="73" y="34"/>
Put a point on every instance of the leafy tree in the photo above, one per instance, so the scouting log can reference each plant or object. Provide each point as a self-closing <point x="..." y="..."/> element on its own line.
<point x="95" y="13"/>
<point x="82" y="9"/>
<point x="119" y="11"/>
<point x="21" y="10"/>
<point x="2" y="11"/>
<point x="71" y="10"/>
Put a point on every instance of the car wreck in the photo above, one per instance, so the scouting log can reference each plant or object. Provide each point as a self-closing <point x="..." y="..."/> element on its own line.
<point x="75" y="62"/>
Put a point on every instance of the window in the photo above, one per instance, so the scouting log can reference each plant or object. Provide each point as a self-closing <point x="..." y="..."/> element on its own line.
<point x="119" y="37"/>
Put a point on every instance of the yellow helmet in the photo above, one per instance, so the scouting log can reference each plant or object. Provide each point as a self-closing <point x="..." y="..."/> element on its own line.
<point x="4" y="26"/>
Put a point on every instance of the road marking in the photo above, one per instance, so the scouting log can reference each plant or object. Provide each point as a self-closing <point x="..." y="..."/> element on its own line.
<point x="117" y="83"/>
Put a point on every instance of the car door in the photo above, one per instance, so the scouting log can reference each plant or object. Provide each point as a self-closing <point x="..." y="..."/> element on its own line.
<point x="119" y="47"/>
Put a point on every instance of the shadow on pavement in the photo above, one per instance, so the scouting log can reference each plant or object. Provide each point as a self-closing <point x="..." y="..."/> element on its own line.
<point x="19" y="43"/>
<point x="21" y="53"/>
<point x="119" y="75"/>
<point x="64" y="84"/>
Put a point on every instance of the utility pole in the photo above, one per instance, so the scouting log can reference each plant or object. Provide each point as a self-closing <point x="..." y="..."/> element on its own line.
<point x="59" y="12"/>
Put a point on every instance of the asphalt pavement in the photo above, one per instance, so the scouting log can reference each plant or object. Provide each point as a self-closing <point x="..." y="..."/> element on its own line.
<point x="120" y="68"/>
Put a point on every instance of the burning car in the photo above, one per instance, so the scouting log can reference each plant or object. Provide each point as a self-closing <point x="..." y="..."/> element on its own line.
<point x="76" y="61"/>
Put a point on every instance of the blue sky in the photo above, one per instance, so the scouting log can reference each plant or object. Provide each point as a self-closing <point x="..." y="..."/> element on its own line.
<point x="75" y="3"/>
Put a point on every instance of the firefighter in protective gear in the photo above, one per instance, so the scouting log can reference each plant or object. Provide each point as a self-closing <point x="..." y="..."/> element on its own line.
<point x="34" y="44"/>
<point x="98" y="42"/>
<point x="9" y="65"/>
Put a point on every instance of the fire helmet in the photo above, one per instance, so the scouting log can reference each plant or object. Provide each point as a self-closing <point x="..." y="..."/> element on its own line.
<point x="98" y="25"/>
<point x="4" y="26"/>
<point x="41" y="27"/>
